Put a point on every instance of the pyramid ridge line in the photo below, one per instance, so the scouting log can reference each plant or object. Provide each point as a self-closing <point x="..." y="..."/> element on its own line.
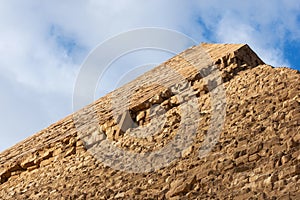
<point x="233" y="50"/>
<point x="257" y="151"/>
<point x="226" y="55"/>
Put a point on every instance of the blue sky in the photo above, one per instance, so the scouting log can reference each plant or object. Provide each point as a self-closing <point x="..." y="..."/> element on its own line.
<point x="42" y="45"/>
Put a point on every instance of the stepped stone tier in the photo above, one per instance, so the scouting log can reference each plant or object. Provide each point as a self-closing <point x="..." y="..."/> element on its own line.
<point x="256" y="154"/>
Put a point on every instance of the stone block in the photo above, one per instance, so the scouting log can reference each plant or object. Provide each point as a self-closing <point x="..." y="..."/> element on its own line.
<point x="241" y="160"/>
<point x="285" y="159"/>
<point x="70" y="151"/>
<point x="186" y="152"/>
<point x="157" y="99"/>
<point x="28" y="162"/>
<point x="296" y="138"/>
<point x="289" y="172"/>
<point x="46" y="162"/>
<point x="253" y="157"/>
<point x="182" y="185"/>
<point x="255" y="148"/>
<point x="279" y="185"/>
<point x="57" y="152"/>
<point x="141" y="115"/>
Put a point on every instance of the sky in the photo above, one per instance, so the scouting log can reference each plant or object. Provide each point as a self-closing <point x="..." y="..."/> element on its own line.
<point x="43" y="45"/>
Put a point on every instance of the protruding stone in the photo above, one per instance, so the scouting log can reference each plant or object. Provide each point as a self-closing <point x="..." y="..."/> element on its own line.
<point x="182" y="185"/>
<point x="157" y="99"/>
<point x="187" y="151"/>
<point x="140" y="116"/>
<point x="28" y="162"/>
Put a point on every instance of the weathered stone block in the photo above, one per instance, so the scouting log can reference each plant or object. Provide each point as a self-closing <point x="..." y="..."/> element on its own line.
<point x="141" y="115"/>
<point x="179" y="186"/>
<point x="241" y="160"/>
<point x="253" y="157"/>
<point x="289" y="171"/>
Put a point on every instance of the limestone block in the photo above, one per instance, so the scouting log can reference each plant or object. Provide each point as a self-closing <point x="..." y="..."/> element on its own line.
<point x="290" y="171"/>
<point x="279" y="184"/>
<point x="57" y="152"/>
<point x="47" y="161"/>
<point x="157" y="99"/>
<point x="182" y="185"/>
<point x="28" y="162"/>
<point x="255" y="148"/>
<point x="296" y="138"/>
<point x="174" y="101"/>
<point x="241" y="160"/>
<point x="31" y="168"/>
<point x="187" y="151"/>
<point x="285" y="159"/>
<point x="253" y="157"/>
<point x="70" y="151"/>
<point x="140" y="116"/>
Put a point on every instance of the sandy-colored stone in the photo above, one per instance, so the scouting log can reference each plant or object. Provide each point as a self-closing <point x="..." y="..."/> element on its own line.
<point x="256" y="155"/>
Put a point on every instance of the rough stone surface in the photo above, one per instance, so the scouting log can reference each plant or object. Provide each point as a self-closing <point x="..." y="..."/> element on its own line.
<point x="257" y="155"/>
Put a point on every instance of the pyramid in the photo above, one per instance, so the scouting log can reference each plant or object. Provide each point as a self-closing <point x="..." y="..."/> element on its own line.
<point x="239" y="144"/>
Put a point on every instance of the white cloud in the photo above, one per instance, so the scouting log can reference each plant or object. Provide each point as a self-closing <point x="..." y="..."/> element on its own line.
<point x="244" y="33"/>
<point x="264" y="25"/>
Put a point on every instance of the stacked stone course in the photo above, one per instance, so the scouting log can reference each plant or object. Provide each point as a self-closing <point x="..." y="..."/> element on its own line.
<point x="257" y="155"/>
